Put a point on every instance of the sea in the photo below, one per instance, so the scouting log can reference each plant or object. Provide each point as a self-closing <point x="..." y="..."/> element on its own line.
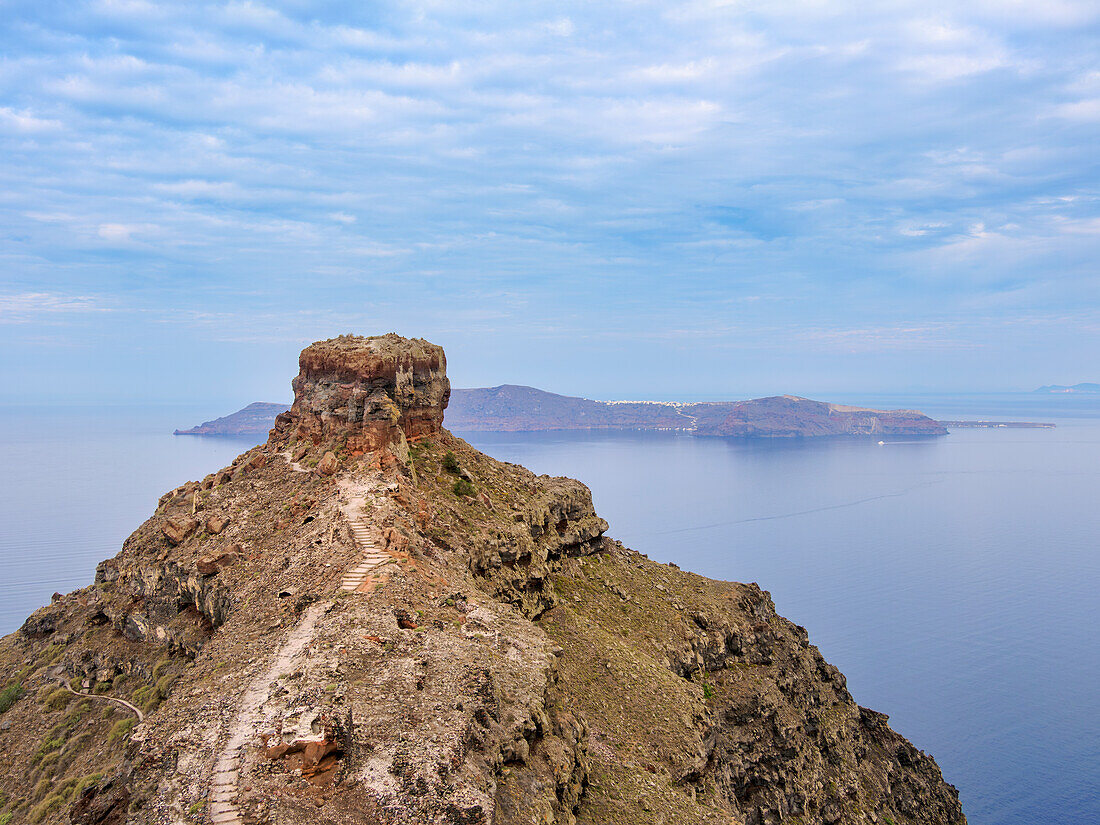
<point x="955" y="580"/>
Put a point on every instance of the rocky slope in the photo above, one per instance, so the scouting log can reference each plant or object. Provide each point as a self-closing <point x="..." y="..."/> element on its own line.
<point x="365" y="620"/>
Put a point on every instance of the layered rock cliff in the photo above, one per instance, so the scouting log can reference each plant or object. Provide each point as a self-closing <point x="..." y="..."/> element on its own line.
<point x="365" y="620"/>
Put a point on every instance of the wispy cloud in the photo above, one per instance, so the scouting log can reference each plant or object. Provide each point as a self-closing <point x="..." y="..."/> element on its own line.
<point x="869" y="169"/>
<point x="30" y="306"/>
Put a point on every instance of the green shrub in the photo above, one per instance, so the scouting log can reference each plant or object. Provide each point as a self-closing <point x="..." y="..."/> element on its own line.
<point x="6" y="818"/>
<point x="463" y="488"/>
<point x="42" y="788"/>
<point x="450" y="463"/>
<point x="43" y="808"/>
<point x="87" y="782"/>
<point x="121" y="730"/>
<point x="47" y="746"/>
<point x="10" y="695"/>
<point x="164" y="684"/>
<point x="160" y="667"/>
<point x="148" y="698"/>
<point x="77" y="712"/>
<point x="58" y="699"/>
<point x="102" y="687"/>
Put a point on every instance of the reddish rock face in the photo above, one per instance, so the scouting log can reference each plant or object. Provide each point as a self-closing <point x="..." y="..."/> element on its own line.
<point x="370" y="392"/>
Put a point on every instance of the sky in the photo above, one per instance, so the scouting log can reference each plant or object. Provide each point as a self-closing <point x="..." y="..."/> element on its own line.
<point x="647" y="200"/>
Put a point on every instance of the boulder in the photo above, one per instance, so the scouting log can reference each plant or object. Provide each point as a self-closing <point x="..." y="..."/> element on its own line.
<point x="216" y="523"/>
<point x="176" y="530"/>
<point x="210" y="564"/>
<point x="328" y="464"/>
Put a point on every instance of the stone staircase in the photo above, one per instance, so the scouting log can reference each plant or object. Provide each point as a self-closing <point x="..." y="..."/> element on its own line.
<point x="224" y="785"/>
<point x="223" y="790"/>
<point x="373" y="557"/>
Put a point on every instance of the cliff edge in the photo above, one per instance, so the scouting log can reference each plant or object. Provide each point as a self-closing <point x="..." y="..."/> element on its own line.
<point x="365" y="620"/>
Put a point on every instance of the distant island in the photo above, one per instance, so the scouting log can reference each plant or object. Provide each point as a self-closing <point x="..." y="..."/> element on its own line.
<point x="511" y="408"/>
<point x="1076" y="388"/>
<point x="254" y="419"/>
<point x="514" y="408"/>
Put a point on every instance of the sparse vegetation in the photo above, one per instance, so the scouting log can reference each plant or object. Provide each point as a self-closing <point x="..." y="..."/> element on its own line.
<point x="58" y="699"/>
<point x="121" y="730"/>
<point x="450" y="463"/>
<point x="10" y="695"/>
<point x="43" y="808"/>
<point x="463" y="488"/>
<point x="47" y="746"/>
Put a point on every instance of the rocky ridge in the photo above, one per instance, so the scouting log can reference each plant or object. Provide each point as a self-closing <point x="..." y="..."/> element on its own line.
<point x="498" y="661"/>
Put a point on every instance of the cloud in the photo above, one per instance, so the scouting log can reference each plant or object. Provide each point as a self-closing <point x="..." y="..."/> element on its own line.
<point x="26" y="307"/>
<point x="115" y="232"/>
<point x="655" y="161"/>
<point x="25" y="122"/>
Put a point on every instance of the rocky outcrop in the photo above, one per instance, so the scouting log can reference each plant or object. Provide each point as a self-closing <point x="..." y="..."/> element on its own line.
<point x="503" y="662"/>
<point x="368" y="393"/>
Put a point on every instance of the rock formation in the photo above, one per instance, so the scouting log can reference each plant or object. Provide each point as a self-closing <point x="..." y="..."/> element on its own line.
<point x="365" y="620"/>
<point x="369" y="393"/>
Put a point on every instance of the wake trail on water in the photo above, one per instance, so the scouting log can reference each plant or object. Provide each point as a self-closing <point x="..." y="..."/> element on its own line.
<point x="840" y="506"/>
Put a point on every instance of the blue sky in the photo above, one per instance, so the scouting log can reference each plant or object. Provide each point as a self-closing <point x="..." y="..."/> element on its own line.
<point x="618" y="200"/>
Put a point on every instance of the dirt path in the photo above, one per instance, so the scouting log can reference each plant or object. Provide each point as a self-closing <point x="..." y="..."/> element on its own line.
<point x="294" y="465"/>
<point x="123" y="702"/>
<point x="224" y="787"/>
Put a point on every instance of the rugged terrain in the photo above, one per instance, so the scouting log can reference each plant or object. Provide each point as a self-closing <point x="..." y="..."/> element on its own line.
<point x="365" y="620"/>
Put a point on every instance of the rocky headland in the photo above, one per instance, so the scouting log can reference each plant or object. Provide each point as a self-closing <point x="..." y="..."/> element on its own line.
<point x="365" y="620"/>
<point x="257" y="417"/>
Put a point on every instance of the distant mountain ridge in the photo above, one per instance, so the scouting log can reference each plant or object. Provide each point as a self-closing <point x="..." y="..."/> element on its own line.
<point x="1060" y="388"/>
<point x="256" y="418"/>
<point x="512" y="408"/>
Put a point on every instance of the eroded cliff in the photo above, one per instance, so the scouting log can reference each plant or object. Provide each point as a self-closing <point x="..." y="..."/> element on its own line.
<point x="365" y="620"/>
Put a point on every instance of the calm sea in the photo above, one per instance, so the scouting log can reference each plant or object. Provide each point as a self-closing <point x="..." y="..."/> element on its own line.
<point x="954" y="580"/>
